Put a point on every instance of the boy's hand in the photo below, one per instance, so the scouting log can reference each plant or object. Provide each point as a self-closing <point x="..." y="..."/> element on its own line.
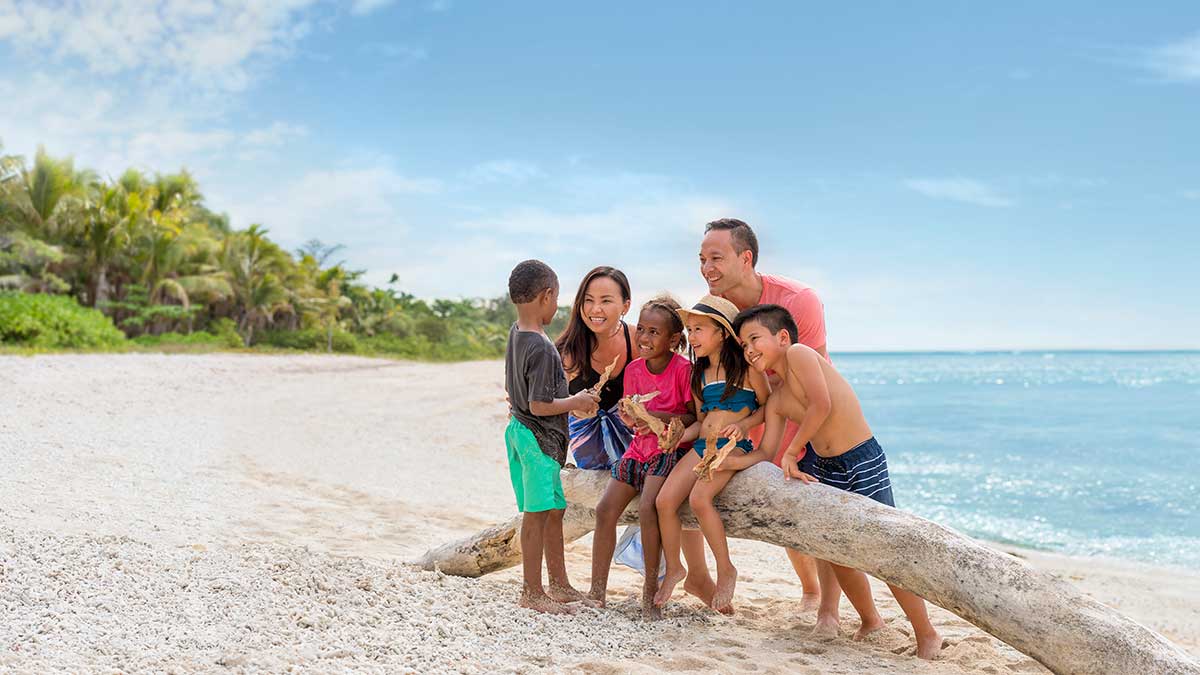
<point x="733" y="432"/>
<point x="792" y="470"/>
<point x="585" y="402"/>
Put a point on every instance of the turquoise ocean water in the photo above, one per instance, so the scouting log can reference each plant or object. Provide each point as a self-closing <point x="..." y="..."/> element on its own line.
<point x="1085" y="453"/>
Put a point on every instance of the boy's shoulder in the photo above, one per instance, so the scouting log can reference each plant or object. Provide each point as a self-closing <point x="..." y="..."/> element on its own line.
<point x="801" y="350"/>
<point x="530" y="341"/>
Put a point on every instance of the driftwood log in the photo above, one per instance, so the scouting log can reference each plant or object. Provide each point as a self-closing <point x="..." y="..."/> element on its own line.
<point x="1037" y="613"/>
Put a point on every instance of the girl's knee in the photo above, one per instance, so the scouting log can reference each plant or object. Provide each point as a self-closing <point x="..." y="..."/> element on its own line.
<point x="665" y="502"/>
<point x="647" y="509"/>
<point x="700" y="501"/>
<point x="607" y="513"/>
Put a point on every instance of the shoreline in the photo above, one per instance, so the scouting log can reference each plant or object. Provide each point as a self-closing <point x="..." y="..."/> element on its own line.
<point x="164" y="463"/>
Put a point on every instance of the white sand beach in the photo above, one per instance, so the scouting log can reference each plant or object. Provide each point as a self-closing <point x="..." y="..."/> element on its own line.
<point x="210" y="512"/>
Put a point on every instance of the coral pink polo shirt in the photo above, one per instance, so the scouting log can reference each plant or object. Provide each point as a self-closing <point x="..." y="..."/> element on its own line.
<point x="809" y="314"/>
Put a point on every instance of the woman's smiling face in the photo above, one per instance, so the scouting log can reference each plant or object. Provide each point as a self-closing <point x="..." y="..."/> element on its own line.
<point x="704" y="335"/>
<point x="603" y="306"/>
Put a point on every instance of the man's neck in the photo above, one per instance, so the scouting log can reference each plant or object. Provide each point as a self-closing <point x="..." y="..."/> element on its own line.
<point x="746" y="294"/>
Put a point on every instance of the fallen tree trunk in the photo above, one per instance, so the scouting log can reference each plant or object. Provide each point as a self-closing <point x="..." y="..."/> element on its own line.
<point x="1035" y="612"/>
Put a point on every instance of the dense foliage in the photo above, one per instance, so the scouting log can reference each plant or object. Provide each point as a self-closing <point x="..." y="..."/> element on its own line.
<point x="82" y="256"/>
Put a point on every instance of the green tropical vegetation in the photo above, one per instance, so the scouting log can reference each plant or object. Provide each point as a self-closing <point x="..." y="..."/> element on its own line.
<point x="142" y="262"/>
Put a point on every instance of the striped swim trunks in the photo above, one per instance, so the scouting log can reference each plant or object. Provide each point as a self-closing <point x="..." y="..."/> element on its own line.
<point x="861" y="470"/>
<point x="632" y="472"/>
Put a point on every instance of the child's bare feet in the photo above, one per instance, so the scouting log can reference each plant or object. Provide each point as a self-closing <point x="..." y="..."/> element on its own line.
<point x="810" y="602"/>
<point x="723" y="596"/>
<point x="669" y="582"/>
<point x="868" y="626"/>
<point x="543" y="603"/>
<point x="650" y="611"/>
<point x="701" y="588"/>
<point x="929" y="645"/>
<point x="566" y="594"/>
<point x="827" y="627"/>
<point x="598" y="596"/>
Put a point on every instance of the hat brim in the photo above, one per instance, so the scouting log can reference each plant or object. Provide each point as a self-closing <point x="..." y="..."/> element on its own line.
<point x="711" y="314"/>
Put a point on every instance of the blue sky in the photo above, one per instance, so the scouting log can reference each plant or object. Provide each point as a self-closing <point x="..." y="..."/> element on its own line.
<point x="950" y="175"/>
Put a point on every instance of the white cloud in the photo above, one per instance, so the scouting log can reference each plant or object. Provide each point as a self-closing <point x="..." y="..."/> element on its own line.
<point x="503" y="171"/>
<point x="1177" y="61"/>
<point x="276" y="134"/>
<point x="212" y="44"/>
<point x="959" y="190"/>
<point x="348" y="205"/>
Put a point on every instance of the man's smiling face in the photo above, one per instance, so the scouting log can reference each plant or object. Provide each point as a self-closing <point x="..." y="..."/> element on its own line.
<point x="720" y="264"/>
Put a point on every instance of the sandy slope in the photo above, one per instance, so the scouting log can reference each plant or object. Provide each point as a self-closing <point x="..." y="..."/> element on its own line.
<point x="204" y="512"/>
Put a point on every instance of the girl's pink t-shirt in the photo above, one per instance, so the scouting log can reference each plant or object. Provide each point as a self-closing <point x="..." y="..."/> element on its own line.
<point x="673" y="385"/>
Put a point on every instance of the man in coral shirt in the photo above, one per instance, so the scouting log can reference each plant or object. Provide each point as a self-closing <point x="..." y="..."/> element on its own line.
<point x="728" y="256"/>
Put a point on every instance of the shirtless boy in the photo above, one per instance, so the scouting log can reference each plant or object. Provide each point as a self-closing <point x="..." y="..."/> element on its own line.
<point x="842" y="451"/>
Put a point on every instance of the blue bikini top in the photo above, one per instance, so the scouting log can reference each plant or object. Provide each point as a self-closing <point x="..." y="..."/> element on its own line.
<point x="740" y="399"/>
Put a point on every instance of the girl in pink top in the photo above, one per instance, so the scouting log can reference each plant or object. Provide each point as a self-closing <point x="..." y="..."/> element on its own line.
<point x="644" y="467"/>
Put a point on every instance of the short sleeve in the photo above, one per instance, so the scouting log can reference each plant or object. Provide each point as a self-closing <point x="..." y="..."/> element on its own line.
<point x="806" y="308"/>
<point x="542" y="370"/>
<point x="629" y="382"/>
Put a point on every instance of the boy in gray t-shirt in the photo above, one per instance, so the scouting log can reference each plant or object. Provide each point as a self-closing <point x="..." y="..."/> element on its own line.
<point x="536" y="436"/>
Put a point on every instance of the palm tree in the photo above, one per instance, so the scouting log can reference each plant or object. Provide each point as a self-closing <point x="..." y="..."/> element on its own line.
<point x="253" y="265"/>
<point x="48" y="199"/>
<point x="112" y="216"/>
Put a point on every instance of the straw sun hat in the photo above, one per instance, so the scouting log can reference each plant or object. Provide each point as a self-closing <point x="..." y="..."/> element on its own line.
<point x="718" y="309"/>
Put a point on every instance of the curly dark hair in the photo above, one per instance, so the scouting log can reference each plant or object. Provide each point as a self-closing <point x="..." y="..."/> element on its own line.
<point x="529" y="278"/>
<point x="773" y="317"/>
<point x="668" y="307"/>
<point x="742" y="234"/>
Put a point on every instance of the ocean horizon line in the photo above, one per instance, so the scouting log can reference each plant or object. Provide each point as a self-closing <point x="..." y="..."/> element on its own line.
<point x="1000" y="351"/>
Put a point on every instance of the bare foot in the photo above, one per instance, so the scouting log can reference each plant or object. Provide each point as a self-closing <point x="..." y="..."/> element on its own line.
<point x="669" y="582"/>
<point x="567" y="594"/>
<point x="723" y="596"/>
<point x="929" y="646"/>
<point x="650" y="612"/>
<point x="543" y="603"/>
<point x="599" y="597"/>
<point x="701" y="588"/>
<point x="827" y="628"/>
<point x="868" y="627"/>
<point x="810" y="602"/>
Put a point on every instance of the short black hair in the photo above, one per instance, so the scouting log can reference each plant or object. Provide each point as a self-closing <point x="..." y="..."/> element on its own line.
<point x="773" y="317"/>
<point x="742" y="234"/>
<point x="528" y="279"/>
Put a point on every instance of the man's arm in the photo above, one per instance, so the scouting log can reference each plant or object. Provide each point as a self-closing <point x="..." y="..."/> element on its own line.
<point x="809" y="313"/>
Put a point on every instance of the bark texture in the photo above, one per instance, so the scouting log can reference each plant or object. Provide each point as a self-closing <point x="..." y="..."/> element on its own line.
<point x="1037" y="613"/>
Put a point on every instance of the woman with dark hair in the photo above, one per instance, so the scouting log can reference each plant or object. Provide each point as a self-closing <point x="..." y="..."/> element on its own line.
<point x="595" y="338"/>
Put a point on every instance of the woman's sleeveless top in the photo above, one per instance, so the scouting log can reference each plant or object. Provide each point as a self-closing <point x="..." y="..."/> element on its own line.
<point x="614" y="389"/>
